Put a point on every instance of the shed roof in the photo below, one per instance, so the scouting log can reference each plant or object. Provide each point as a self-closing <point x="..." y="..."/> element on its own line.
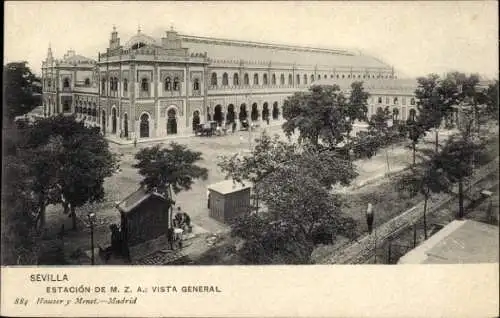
<point x="460" y="242"/>
<point x="135" y="199"/>
<point x="228" y="186"/>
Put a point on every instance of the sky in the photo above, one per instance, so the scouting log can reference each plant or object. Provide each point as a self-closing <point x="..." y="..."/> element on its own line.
<point x="417" y="38"/>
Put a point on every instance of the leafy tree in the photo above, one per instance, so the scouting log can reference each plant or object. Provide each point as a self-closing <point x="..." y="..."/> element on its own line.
<point x="492" y="100"/>
<point x="429" y="103"/>
<point x="436" y="98"/>
<point x="68" y="163"/>
<point x="318" y="115"/>
<point x="170" y="168"/>
<point x="357" y="109"/>
<point x="293" y="182"/>
<point x="425" y="178"/>
<point x="381" y="130"/>
<point x="456" y="160"/>
<point x="19" y="89"/>
<point x="18" y="214"/>
<point x="415" y="133"/>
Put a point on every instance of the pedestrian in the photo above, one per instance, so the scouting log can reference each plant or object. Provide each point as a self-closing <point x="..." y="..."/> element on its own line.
<point x="369" y="218"/>
<point x="135" y="142"/>
<point x="234" y="127"/>
<point x="208" y="199"/>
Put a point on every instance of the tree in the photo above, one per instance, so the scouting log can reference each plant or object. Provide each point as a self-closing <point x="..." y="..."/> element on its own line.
<point x="456" y="160"/>
<point x="415" y="132"/>
<point x="293" y="182"/>
<point x="382" y="131"/>
<point x="324" y="117"/>
<point x="492" y="100"/>
<point x="357" y="109"/>
<point x="19" y="89"/>
<point x="425" y="178"/>
<point x="170" y="168"/>
<point x="318" y="115"/>
<point x="18" y="214"/>
<point x="68" y="163"/>
<point x="87" y="163"/>
<point x="429" y="104"/>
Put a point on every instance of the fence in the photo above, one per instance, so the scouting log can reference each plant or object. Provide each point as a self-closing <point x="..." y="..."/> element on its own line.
<point x="366" y="247"/>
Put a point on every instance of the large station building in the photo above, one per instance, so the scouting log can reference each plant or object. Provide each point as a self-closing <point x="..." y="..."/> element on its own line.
<point x="152" y="88"/>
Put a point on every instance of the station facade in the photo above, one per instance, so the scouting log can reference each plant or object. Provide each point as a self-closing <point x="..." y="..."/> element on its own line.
<point x="152" y="88"/>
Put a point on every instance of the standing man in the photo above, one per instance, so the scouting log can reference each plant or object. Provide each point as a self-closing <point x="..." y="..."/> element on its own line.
<point x="369" y="218"/>
<point x="135" y="142"/>
<point x="208" y="199"/>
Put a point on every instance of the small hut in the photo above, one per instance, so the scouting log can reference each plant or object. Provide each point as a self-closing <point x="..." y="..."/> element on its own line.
<point x="145" y="215"/>
<point x="228" y="200"/>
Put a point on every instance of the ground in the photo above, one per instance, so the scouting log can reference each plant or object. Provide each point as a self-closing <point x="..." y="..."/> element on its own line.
<point x="370" y="186"/>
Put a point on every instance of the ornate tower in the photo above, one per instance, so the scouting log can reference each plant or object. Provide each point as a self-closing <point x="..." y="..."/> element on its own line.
<point x="114" y="42"/>
<point x="50" y="58"/>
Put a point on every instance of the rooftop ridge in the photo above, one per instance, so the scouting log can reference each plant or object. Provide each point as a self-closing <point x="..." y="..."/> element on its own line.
<point x="263" y="44"/>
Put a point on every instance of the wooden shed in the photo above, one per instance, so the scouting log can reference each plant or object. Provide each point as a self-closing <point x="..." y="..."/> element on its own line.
<point x="144" y="216"/>
<point x="228" y="199"/>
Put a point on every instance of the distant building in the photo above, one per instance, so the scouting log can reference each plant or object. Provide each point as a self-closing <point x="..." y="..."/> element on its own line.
<point x="460" y="242"/>
<point x="158" y="87"/>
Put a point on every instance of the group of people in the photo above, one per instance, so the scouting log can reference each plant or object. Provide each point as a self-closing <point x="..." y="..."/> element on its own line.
<point x="181" y="224"/>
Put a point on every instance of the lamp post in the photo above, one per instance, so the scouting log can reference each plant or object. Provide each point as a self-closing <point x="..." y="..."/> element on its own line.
<point x="92" y="219"/>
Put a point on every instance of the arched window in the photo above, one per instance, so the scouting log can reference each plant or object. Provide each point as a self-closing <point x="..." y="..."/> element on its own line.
<point x="387" y="100"/>
<point x="125" y="85"/>
<point x="177" y="85"/>
<point x="380" y="100"/>
<point x="264" y="79"/>
<point x="343" y="76"/>
<point x="297" y="79"/>
<point x="66" y="83"/>
<point x="349" y="76"/>
<point x="273" y="79"/>
<point x="168" y="84"/>
<point x="236" y="79"/>
<point x="103" y="85"/>
<point x="290" y="79"/>
<point x="338" y="76"/>
<point x="225" y="79"/>
<point x="412" y="101"/>
<point x="325" y="77"/>
<point x="110" y="84"/>
<point x="213" y="79"/>
<point x="305" y="79"/>
<point x="395" y="100"/>
<point x="87" y="82"/>
<point x="196" y="84"/>
<point x="403" y="101"/>
<point x="319" y="76"/>
<point x="282" y="79"/>
<point x="145" y="85"/>
<point x="255" y="79"/>
<point x="246" y="80"/>
<point x="331" y="76"/>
